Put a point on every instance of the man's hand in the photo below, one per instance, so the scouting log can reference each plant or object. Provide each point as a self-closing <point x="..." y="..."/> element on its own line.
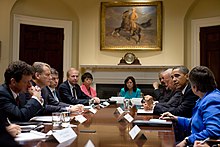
<point x="13" y="129"/>
<point x="168" y="115"/>
<point x="76" y="108"/>
<point x="156" y="85"/>
<point x="35" y="91"/>
<point x="97" y="100"/>
<point x="148" y="102"/>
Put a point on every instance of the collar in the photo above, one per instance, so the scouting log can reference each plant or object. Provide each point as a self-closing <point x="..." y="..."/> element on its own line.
<point x="14" y="94"/>
<point x="184" y="89"/>
<point x="51" y="89"/>
<point x="71" y="86"/>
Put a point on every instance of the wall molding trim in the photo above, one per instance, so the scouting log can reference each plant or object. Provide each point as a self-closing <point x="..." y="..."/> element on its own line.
<point x="67" y="44"/>
<point x="196" y="24"/>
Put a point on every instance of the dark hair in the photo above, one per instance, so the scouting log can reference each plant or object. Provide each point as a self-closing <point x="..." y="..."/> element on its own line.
<point x="86" y="75"/>
<point x="203" y="78"/>
<point x="182" y="69"/>
<point x="16" y="70"/>
<point x="134" y="83"/>
<point x="54" y="71"/>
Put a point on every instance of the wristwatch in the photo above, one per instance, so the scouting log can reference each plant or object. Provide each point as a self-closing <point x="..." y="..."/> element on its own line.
<point x="129" y="58"/>
<point x="187" y="140"/>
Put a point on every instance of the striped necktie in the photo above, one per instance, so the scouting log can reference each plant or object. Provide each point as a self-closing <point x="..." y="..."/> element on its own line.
<point x="74" y="92"/>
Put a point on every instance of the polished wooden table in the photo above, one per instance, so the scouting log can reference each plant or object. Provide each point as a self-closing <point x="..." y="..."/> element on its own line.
<point x="113" y="133"/>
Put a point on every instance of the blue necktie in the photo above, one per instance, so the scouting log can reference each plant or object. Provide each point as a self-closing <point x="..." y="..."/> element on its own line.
<point x="55" y="96"/>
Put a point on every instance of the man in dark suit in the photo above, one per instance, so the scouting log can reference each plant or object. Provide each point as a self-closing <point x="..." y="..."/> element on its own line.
<point x="13" y="104"/>
<point x="52" y="88"/>
<point x="163" y="92"/>
<point x="41" y="78"/>
<point x="71" y="93"/>
<point x="184" y="99"/>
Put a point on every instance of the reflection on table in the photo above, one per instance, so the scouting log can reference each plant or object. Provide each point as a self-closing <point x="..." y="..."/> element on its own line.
<point x="111" y="132"/>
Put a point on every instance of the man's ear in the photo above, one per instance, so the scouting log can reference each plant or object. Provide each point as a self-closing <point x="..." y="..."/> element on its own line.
<point x="37" y="75"/>
<point x="195" y="88"/>
<point x="187" y="76"/>
<point x="13" y="82"/>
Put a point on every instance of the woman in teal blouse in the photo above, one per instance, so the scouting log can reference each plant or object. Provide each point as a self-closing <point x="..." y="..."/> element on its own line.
<point x="130" y="89"/>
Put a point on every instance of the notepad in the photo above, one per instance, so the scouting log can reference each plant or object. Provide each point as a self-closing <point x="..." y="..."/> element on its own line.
<point x="144" y="112"/>
<point x="153" y="122"/>
<point x="32" y="135"/>
<point x="42" y="118"/>
<point x="119" y="100"/>
<point x="136" y="101"/>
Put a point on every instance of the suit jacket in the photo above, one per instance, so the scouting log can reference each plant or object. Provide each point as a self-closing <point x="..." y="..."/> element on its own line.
<point x="174" y="101"/>
<point x="162" y="95"/>
<point x="50" y="104"/>
<point x="186" y="104"/>
<point x="66" y="95"/>
<point x="8" y="106"/>
<point x="51" y="94"/>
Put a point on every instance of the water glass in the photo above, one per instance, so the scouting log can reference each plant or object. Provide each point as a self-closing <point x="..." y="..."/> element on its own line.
<point x="126" y="105"/>
<point x="66" y="119"/>
<point x="56" y="120"/>
<point x="91" y="102"/>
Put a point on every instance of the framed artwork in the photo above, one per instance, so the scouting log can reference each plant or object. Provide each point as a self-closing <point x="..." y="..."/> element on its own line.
<point x="131" y="26"/>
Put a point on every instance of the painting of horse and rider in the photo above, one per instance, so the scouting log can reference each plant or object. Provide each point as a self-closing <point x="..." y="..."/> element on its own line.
<point x="131" y="27"/>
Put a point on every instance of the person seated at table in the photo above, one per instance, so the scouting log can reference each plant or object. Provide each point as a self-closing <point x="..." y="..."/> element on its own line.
<point x="130" y="89"/>
<point x="205" y="121"/>
<point x="8" y="132"/>
<point x="42" y="78"/>
<point x="163" y="92"/>
<point x="181" y="103"/>
<point x="13" y="103"/>
<point x="52" y="88"/>
<point x="87" y="79"/>
<point x="71" y="93"/>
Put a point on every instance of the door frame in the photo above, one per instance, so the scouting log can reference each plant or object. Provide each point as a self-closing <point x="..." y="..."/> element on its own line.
<point x="195" y="42"/>
<point x="67" y="44"/>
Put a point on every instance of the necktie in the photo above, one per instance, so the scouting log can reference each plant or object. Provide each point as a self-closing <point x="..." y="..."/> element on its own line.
<point x="74" y="92"/>
<point x="17" y="100"/>
<point x="55" y="95"/>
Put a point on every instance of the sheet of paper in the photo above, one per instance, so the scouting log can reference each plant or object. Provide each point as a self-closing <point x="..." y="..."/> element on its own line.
<point x="32" y="135"/>
<point x="64" y="135"/>
<point x="93" y="110"/>
<point x="119" y="100"/>
<point x="134" y="131"/>
<point x="157" y="120"/>
<point x="120" y="110"/>
<point x="142" y="111"/>
<point x="80" y="118"/>
<point x="136" y="101"/>
<point x="42" y="118"/>
<point x="87" y="107"/>
<point x="128" y="117"/>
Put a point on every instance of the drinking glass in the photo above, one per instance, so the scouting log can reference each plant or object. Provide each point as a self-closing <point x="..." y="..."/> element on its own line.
<point x="126" y="105"/>
<point x="65" y="119"/>
<point x="56" y="120"/>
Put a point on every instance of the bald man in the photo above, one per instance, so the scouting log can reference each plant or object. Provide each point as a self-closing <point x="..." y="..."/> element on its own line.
<point x="71" y="93"/>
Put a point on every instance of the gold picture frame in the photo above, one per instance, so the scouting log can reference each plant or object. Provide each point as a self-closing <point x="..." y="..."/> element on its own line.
<point x="131" y="26"/>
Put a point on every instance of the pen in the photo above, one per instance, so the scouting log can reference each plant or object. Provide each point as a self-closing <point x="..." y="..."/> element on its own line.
<point x="202" y="142"/>
<point x="9" y="122"/>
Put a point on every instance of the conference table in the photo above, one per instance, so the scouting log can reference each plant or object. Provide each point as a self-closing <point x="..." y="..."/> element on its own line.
<point x="112" y="130"/>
